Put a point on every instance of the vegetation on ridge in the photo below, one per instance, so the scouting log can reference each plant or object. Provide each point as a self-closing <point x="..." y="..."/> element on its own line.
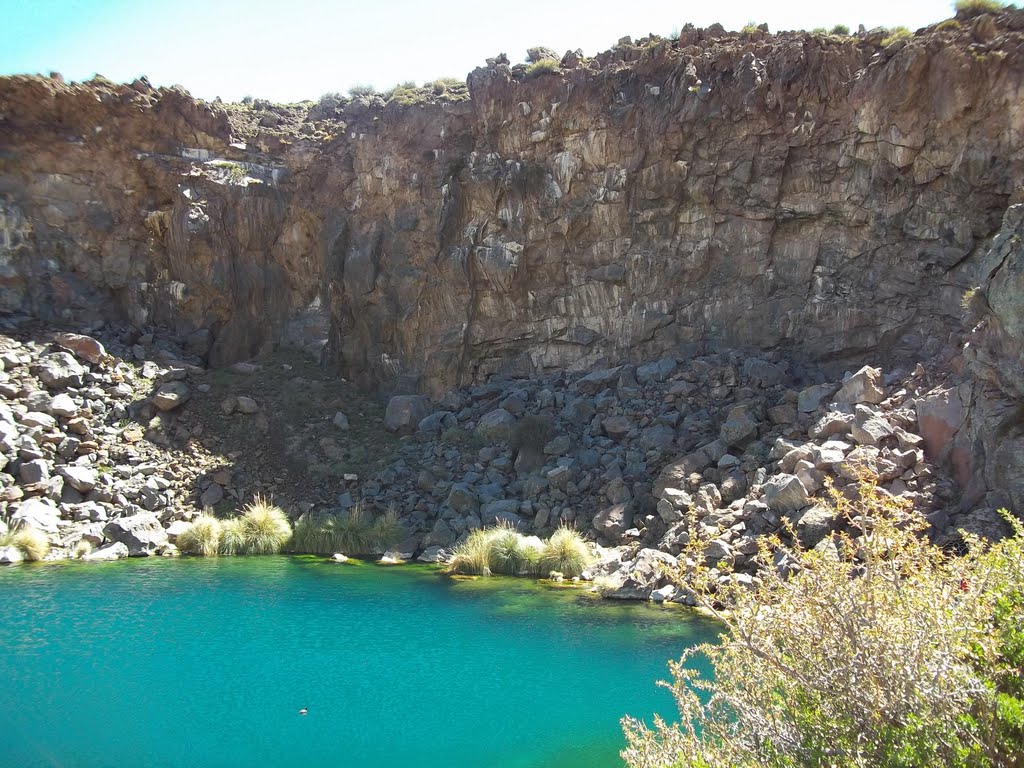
<point x="874" y="649"/>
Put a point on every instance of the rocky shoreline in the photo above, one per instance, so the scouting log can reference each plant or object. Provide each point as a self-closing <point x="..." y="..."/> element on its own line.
<point x="104" y="451"/>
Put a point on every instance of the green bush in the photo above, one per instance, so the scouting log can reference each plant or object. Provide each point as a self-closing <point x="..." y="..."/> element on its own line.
<point x="879" y="649"/>
<point x="971" y="8"/>
<point x="565" y="552"/>
<point x="750" y="28"/>
<point x="841" y="30"/>
<point x="541" y="67"/>
<point x="265" y="528"/>
<point x="313" y="534"/>
<point x="202" y="537"/>
<point x="350" y="532"/>
<point x="31" y="542"/>
<point x="896" y="34"/>
<point x="942" y="26"/>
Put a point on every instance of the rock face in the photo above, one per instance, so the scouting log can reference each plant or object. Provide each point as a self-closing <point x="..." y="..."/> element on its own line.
<point x="817" y="196"/>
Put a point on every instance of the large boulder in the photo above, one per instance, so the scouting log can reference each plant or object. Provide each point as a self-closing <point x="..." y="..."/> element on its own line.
<point x="598" y="381"/>
<point x="785" y="493"/>
<point x="638" y="578"/>
<point x="405" y="412"/>
<point x="40" y="514"/>
<point x="495" y="425"/>
<point x="83" y="347"/>
<point x="611" y="522"/>
<point x="864" y="386"/>
<point x="171" y="395"/>
<point x="142" y="534"/>
<point x="60" y="370"/>
<point x="116" y="551"/>
<point x="82" y="479"/>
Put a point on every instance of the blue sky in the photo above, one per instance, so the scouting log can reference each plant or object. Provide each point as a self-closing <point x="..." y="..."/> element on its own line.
<point x="291" y="50"/>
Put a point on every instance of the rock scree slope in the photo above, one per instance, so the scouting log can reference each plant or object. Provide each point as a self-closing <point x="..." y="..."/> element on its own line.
<point x="669" y="252"/>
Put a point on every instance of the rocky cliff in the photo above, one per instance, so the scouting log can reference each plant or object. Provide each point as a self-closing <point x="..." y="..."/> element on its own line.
<point x="826" y="197"/>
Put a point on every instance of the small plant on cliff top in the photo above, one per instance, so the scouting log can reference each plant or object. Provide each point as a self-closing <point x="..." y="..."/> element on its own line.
<point x="874" y="649"/>
<point x="971" y="8"/>
<point x="841" y="29"/>
<point x="361" y="89"/>
<point x="896" y="34"/>
<point x="541" y="67"/>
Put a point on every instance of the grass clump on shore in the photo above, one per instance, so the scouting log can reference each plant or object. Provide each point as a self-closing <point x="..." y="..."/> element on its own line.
<point x="876" y="648"/>
<point x="504" y="550"/>
<point x="350" y="532"/>
<point x="565" y="552"/>
<point x="264" y="527"/>
<point x="31" y="542"/>
<point x="202" y="537"/>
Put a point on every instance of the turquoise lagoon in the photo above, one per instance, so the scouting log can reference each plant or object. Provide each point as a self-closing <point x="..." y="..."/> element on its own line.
<point x="206" y="662"/>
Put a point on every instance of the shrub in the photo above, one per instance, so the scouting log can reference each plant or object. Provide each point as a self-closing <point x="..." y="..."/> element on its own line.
<point x="750" y="28"/>
<point x="312" y="535"/>
<point x="385" y="531"/>
<point x="565" y="552"/>
<point x="970" y="8"/>
<point x="265" y="528"/>
<point x="232" y="537"/>
<point x="31" y="542"/>
<point x="361" y="89"/>
<point x="202" y="537"/>
<point x="879" y="650"/>
<point x="819" y="31"/>
<point x="942" y="26"/>
<point x="896" y="34"/>
<point x="473" y="556"/>
<point x="841" y="29"/>
<point x="507" y="551"/>
<point x="541" y="67"/>
<point x="82" y="548"/>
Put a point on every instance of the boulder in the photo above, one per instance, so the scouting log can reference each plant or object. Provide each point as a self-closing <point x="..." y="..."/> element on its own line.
<point x="501" y="510"/>
<point x="785" y="493"/>
<point x="617" y="427"/>
<point x="496" y="425"/>
<point x="59" y="370"/>
<point x="811" y="398"/>
<point x="864" y="386"/>
<point x="63" y="406"/>
<point x="639" y="577"/>
<point x="142" y="534"/>
<point x="740" y="427"/>
<point x="433" y="555"/>
<point x="598" y="381"/>
<point x="612" y="522"/>
<point x="437" y="422"/>
<point x="814" y="525"/>
<point x="83" y="347"/>
<point x="247" y="405"/>
<point x="10" y="556"/>
<point x="340" y="420"/>
<point x="171" y="395"/>
<point x="116" y="551"/>
<point x="462" y="499"/>
<point x="762" y="372"/>
<point x="40" y="514"/>
<point x="405" y="412"/>
<point x="82" y="479"/>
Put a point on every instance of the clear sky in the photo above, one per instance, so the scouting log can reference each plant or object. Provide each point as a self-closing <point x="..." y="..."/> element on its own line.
<point x="289" y="50"/>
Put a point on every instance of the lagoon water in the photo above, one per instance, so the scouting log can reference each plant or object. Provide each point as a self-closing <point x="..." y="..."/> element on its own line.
<point x="197" y="663"/>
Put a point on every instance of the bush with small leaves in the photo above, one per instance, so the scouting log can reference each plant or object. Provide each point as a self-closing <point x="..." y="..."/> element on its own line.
<point x="896" y="34"/>
<point x="543" y="66"/>
<point x="874" y="649"/>
<point x="841" y="30"/>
